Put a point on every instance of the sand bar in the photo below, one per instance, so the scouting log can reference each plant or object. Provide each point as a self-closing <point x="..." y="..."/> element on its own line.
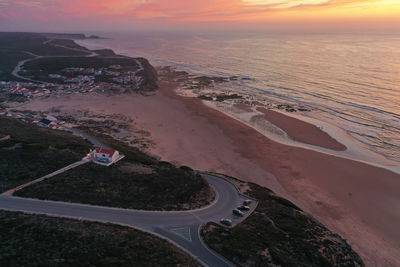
<point x="302" y="131"/>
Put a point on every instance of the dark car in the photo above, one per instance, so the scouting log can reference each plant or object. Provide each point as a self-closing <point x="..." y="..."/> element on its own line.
<point x="226" y="222"/>
<point x="237" y="212"/>
<point x="243" y="208"/>
<point x="247" y="202"/>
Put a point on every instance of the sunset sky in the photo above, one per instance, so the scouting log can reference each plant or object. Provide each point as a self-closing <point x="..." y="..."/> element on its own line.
<point x="133" y="14"/>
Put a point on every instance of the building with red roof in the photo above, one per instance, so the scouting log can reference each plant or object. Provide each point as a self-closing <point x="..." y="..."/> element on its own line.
<point x="105" y="156"/>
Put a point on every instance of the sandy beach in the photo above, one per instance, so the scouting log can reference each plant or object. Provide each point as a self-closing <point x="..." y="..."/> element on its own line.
<point x="356" y="200"/>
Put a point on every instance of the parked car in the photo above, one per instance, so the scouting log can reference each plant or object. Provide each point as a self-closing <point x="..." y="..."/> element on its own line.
<point x="226" y="222"/>
<point x="247" y="202"/>
<point x="237" y="212"/>
<point x="243" y="208"/>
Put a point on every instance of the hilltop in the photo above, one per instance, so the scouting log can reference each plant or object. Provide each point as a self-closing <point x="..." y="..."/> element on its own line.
<point x="42" y="64"/>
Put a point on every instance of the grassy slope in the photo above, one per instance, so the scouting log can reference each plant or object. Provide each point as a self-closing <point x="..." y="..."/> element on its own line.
<point x="54" y="65"/>
<point x="33" y="152"/>
<point x="34" y="43"/>
<point x="41" y="68"/>
<point x="13" y="45"/>
<point x="67" y="43"/>
<point x="279" y="233"/>
<point x="34" y="240"/>
<point x="10" y="59"/>
<point x="167" y="188"/>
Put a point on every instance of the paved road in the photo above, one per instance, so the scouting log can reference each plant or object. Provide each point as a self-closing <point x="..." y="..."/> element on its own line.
<point x="179" y="227"/>
<point x="89" y="53"/>
<point x="20" y="64"/>
<point x="88" y="137"/>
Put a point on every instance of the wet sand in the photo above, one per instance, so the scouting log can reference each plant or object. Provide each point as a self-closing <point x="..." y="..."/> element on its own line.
<point x="356" y="200"/>
<point x="302" y="131"/>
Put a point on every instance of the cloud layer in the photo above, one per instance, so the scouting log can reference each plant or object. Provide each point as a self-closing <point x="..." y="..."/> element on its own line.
<point x="120" y="12"/>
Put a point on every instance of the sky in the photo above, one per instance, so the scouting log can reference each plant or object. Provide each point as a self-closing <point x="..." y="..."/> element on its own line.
<point x="124" y="15"/>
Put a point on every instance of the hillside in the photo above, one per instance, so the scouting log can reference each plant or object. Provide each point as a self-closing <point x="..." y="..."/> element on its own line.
<point x="51" y="53"/>
<point x="138" y="181"/>
<point x="36" y="240"/>
<point x="32" y="151"/>
<point x="278" y="234"/>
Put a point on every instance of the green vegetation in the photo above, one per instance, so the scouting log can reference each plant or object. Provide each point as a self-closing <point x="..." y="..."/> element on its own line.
<point x="67" y="43"/>
<point x="34" y="240"/>
<point x="34" y="43"/>
<point x="41" y="68"/>
<point x="132" y="154"/>
<point x="138" y="181"/>
<point x="279" y="234"/>
<point x="13" y="48"/>
<point x="32" y="152"/>
<point x="10" y="59"/>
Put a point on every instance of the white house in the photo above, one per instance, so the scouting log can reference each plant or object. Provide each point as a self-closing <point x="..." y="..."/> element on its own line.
<point x="105" y="157"/>
<point x="54" y="76"/>
<point x="51" y="118"/>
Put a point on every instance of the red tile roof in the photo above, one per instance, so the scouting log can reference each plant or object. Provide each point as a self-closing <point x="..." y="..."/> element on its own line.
<point x="109" y="152"/>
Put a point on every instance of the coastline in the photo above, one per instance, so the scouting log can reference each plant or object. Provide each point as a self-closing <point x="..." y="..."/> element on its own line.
<point x="356" y="199"/>
<point x="338" y="141"/>
<point x="332" y="136"/>
<point x="371" y="127"/>
<point x="351" y="198"/>
<point x="337" y="191"/>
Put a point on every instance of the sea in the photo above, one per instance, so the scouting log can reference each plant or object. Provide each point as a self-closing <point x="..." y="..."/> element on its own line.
<point x="349" y="80"/>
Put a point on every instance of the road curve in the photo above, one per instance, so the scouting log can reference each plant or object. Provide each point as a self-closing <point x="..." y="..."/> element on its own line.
<point x="19" y="66"/>
<point x="179" y="227"/>
<point x="88" y="137"/>
<point x="21" y="63"/>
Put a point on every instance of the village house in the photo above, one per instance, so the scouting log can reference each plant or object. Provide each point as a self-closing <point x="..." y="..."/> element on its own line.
<point x="54" y="76"/>
<point x="45" y="123"/>
<point x="51" y="118"/>
<point x="31" y="120"/>
<point x="105" y="157"/>
<point x="54" y="125"/>
<point x="4" y="137"/>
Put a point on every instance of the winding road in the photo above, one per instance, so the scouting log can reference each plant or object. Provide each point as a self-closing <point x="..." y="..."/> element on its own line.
<point x="20" y="64"/>
<point x="181" y="228"/>
<point x="89" y="53"/>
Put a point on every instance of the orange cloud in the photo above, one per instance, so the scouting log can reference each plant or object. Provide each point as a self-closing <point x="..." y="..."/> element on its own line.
<point x="179" y="11"/>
